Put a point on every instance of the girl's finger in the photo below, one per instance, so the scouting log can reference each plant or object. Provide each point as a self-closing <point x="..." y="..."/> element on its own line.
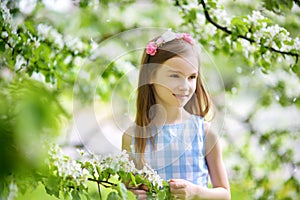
<point x="177" y="185"/>
<point x="177" y="191"/>
<point x="144" y="187"/>
<point x="140" y="194"/>
<point x="176" y="197"/>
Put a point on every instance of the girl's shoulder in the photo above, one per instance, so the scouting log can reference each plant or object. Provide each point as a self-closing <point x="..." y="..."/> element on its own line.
<point x="127" y="138"/>
<point x="196" y="117"/>
<point x="197" y="120"/>
<point x="212" y="138"/>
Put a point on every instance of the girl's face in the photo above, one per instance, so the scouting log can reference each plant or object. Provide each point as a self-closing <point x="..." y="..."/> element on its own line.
<point x="175" y="81"/>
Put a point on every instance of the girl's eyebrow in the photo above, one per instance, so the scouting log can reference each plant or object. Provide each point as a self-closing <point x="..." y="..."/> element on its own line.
<point x="179" y="72"/>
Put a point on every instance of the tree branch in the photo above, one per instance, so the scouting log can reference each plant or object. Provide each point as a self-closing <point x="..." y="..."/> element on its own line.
<point x="104" y="183"/>
<point x="229" y="32"/>
<point x="209" y="19"/>
<point x="99" y="191"/>
<point x="225" y="29"/>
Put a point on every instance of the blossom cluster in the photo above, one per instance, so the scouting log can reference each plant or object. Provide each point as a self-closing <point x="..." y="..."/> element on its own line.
<point x="98" y="168"/>
<point x="117" y="162"/>
<point x="270" y="35"/>
<point x="66" y="168"/>
<point x="121" y="162"/>
<point x="30" y="40"/>
<point x="47" y="32"/>
<point x="8" y="24"/>
<point x="252" y="34"/>
<point x="151" y="175"/>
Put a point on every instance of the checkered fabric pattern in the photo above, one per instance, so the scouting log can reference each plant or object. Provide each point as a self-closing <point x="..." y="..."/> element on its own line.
<point x="179" y="151"/>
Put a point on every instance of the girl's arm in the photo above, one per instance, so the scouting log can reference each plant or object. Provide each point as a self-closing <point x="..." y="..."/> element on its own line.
<point x="126" y="143"/>
<point x="183" y="189"/>
<point x="217" y="172"/>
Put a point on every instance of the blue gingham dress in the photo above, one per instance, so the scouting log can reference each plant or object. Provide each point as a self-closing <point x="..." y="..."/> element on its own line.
<point x="179" y="151"/>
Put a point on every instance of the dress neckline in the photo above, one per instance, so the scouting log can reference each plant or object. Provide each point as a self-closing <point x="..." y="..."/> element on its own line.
<point x="177" y="124"/>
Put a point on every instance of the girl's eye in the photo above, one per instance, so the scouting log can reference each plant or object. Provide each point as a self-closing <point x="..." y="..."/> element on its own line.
<point x="193" y="77"/>
<point x="174" y="75"/>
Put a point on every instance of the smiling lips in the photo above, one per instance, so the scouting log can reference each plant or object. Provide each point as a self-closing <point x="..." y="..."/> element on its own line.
<point x="181" y="96"/>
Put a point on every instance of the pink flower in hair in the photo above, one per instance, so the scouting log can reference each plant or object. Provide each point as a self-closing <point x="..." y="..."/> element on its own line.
<point x="151" y="48"/>
<point x="187" y="38"/>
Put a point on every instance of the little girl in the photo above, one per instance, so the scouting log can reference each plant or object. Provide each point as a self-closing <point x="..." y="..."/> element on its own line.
<point x="170" y="133"/>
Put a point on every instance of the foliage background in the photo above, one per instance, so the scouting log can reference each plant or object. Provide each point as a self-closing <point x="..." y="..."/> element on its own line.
<point x="49" y="67"/>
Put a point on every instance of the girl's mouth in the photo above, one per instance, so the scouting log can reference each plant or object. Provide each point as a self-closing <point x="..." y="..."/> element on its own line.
<point x="181" y="96"/>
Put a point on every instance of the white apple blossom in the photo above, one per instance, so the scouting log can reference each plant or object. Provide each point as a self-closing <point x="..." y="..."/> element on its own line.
<point x="74" y="44"/>
<point x="4" y="34"/>
<point x="151" y="175"/>
<point x="67" y="168"/>
<point x="7" y="17"/>
<point x="13" y="190"/>
<point x="192" y="4"/>
<point x="297" y="44"/>
<point x="48" y="32"/>
<point x="200" y="19"/>
<point x="20" y="62"/>
<point x="74" y="170"/>
<point x="27" y="6"/>
<point x="5" y="12"/>
<point x="248" y="48"/>
<point x="255" y="17"/>
<point x="222" y="16"/>
<point x="210" y="30"/>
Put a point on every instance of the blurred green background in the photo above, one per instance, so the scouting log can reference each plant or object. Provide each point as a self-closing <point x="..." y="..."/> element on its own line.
<point x="68" y="73"/>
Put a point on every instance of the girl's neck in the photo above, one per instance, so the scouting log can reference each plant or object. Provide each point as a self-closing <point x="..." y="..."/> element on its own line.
<point x="172" y="115"/>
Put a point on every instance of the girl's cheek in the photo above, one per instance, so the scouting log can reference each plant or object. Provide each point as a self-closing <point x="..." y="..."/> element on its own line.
<point x="169" y="84"/>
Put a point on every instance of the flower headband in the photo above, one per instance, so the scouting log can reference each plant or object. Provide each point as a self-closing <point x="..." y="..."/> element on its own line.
<point x="168" y="36"/>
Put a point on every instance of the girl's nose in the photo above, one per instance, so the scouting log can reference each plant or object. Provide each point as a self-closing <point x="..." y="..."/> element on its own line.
<point x="184" y="85"/>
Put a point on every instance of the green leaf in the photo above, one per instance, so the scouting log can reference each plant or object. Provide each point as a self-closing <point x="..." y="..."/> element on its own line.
<point x="211" y="4"/>
<point x="193" y="14"/>
<point x="161" y="195"/>
<point x="83" y="3"/>
<point x="30" y="26"/>
<point x="239" y="27"/>
<point x="52" y="184"/>
<point x="75" y="195"/>
<point x="2" y="46"/>
<point x="239" y="46"/>
<point x="113" y="196"/>
<point x="297" y="102"/>
<point x="278" y="43"/>
<point x="122" y="190"/>
<point x="132" y="177"/>
<point x="98" y="171"/>
<point x="47" y="76"/>
<point x="295" y="68"/>
<point x="130" y="195"/>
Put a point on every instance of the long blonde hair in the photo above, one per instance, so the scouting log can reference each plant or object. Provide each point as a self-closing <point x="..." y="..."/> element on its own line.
<point x="199" y="104"/>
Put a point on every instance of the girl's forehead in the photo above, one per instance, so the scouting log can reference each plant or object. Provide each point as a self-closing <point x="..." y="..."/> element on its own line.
<point x="186" y="65"/>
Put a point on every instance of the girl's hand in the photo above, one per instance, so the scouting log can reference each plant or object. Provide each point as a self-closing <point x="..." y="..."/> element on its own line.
<point x="182" y="189"/>
<point x="140" y="192"/>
